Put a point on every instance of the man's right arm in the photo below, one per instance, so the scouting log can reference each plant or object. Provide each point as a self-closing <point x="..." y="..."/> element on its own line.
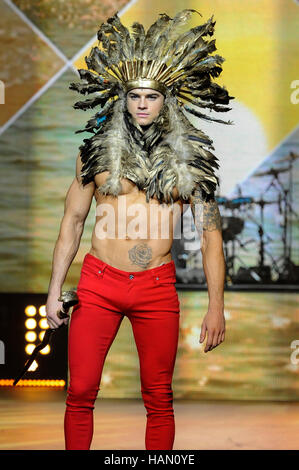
<point x="76" y="208"/>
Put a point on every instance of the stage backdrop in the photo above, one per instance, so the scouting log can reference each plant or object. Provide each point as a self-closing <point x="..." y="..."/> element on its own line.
<point x="42" y="46"/>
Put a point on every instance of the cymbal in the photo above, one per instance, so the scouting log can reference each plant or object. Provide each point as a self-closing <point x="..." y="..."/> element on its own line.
<point x="291" y="157"/>
<point x="272" y="171"/>
<point x="238" y="201"/>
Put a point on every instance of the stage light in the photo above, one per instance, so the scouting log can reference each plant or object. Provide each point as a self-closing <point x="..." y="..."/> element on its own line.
<point x="30" y="323"/>
<point x="46" y="350"/>
<point x="33" y="366"/>
<point x="32" y="383"/>
<point x="30" y="336"/>
<point x="42" y="311"/>
<point x="41" y="335"/>
<point x="29" y="348"/>
<point x="43" y="324"/>
<point x="30" y="310"/>
<point x="20" y="340"/>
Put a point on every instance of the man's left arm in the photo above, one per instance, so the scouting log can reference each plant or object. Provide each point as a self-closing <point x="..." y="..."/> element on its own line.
<point x="207" y="221"/>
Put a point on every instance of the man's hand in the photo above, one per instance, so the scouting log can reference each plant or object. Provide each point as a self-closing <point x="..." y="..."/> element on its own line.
<point x="52" y="307"/>
<point x="214" y="324"/>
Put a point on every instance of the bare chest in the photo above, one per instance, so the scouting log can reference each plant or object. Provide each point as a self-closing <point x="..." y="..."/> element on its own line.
<point x="128" y="187"/>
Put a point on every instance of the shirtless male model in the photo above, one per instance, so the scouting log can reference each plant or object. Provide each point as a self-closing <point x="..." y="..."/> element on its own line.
<point x="144" y="164"/>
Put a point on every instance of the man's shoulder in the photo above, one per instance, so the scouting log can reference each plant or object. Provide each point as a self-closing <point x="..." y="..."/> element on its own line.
<point x="200" y="195"/>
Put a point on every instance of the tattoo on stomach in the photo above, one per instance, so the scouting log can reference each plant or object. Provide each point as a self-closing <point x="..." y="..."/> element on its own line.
<point x="141" y="255"/>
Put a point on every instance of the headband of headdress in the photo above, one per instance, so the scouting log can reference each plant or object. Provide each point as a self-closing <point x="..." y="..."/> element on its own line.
<point x="163" y="59"/>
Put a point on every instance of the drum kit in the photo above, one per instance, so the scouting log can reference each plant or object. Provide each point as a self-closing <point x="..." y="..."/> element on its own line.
<point x="268" y="268"/>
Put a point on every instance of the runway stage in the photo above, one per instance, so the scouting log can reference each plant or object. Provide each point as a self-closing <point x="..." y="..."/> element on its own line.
<point x="32" y="419"/>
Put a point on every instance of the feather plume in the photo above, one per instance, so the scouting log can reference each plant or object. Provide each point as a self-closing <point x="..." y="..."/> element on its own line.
<point x="127" y="49"/>
<point x="203" y="116"/>
<point x="154" y="34"/>
<point x="138" y="35"/>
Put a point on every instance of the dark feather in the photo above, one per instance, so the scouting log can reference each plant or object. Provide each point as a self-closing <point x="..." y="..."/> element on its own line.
<point x="153" y="34"/>
<point x="203" y="116"/>
<point x="127" y="49"/>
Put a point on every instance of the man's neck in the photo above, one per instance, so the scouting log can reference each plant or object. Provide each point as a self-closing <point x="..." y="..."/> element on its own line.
<point x="145" y="128"/>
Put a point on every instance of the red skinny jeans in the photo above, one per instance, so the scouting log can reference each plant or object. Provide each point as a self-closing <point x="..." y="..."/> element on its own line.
<point x="149" y="299"/>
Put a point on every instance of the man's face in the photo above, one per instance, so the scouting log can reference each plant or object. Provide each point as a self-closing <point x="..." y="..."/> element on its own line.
<point x="144" y="104"/>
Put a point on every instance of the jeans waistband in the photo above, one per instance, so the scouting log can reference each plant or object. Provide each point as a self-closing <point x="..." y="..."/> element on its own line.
<point x="166" y="272"/>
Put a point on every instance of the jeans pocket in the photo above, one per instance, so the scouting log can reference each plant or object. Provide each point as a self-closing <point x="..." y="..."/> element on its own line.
<point x="164" y="292"/>
<point x="90" y="276"/>
<point x="166" y="284"/>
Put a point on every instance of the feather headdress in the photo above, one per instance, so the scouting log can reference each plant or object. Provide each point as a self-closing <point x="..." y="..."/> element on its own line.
<point x="171" y="152"/>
